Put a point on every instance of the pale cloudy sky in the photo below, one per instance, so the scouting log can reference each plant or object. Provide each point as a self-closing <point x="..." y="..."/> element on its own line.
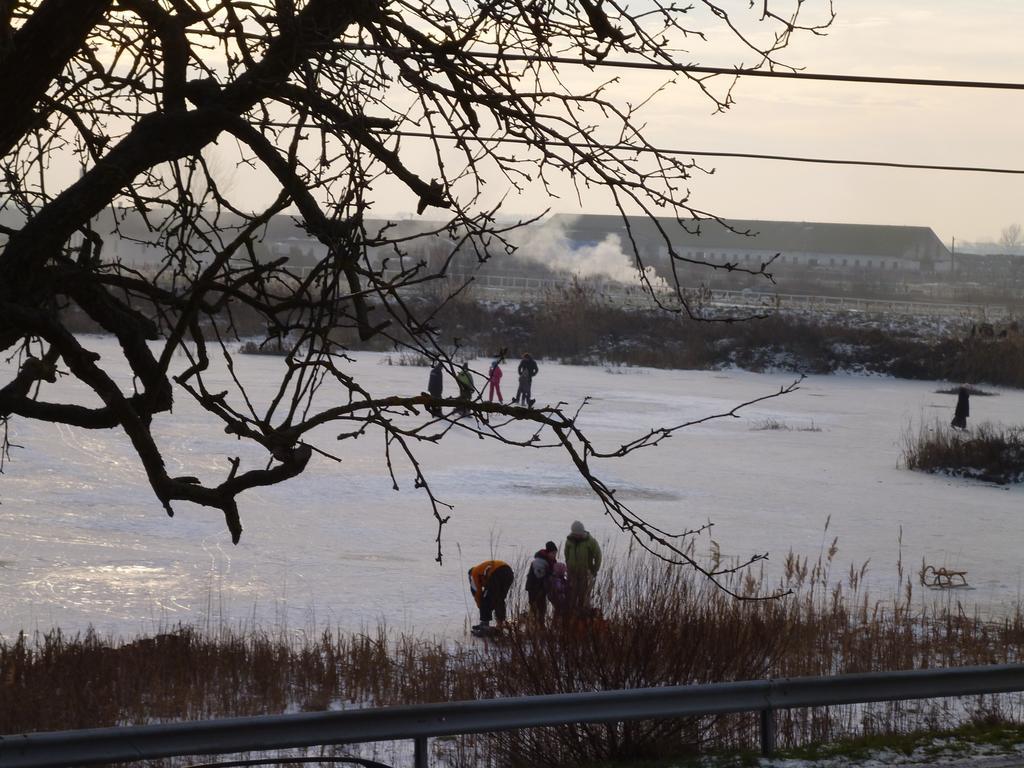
<point x="935" y="39"/>
<point x="948" y="39"/>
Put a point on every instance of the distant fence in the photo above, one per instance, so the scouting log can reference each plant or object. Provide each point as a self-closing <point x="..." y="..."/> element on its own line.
<point x="519" y="288"/>
<point x="979" y="312"/>
<point x="421" y="722"/>
<point x="537" y="289"/>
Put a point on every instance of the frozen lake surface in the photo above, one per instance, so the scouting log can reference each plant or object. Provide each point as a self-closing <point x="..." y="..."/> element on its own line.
<point x="83" y="540"/>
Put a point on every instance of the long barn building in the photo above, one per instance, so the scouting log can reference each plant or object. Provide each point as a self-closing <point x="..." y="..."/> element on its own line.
<point x="815" y="245"/>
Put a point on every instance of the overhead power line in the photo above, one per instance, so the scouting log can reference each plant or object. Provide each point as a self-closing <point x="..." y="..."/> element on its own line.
<point x="698" y="69"/>
<point x="624" y="63"/>
<point x="642" y="149"/>
<point x="702" y="153"/>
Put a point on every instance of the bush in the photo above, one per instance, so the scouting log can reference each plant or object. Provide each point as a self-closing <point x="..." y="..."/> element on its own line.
<point x="770" y="424"/>
<point x="266" y="347"/>
<point x="580" y="326"/>
<point x="409" y="359"/>
<point x="988" y="453"/>
<point x="662" y="625"/>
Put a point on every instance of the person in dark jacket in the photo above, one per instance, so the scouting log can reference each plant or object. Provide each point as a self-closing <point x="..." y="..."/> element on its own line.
<point x="490" y="582"/>
<point x="537" y="580"/>
<point x="435" y="387"/>
<point x="527" y="370"/>
<point x="559" y="591"/>
<point x="963" y="408"/>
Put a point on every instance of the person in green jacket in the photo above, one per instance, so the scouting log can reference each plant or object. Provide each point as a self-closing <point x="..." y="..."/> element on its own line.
<point x="582" y="556"/>
<point x="466" y="389"/>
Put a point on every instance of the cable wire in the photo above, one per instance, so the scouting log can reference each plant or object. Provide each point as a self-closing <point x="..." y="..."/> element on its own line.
<point x="641" y="149"/>
<point x="698" y="69"/>
<point x="592" y="63"/>
<point x="701" y="153"/>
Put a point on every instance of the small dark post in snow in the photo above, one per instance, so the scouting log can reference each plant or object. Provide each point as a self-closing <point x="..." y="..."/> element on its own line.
<point x="420" y="752"/>
<point x="767" y="732"/>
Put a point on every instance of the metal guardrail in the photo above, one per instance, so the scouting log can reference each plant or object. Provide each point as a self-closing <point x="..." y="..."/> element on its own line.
<point x="421" y="722"/>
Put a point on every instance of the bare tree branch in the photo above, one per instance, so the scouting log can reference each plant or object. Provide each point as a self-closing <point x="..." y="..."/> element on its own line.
<point x="140" y="96"/>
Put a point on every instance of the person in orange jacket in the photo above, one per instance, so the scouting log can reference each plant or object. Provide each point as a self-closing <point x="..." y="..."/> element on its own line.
<point x="490" y="582"/>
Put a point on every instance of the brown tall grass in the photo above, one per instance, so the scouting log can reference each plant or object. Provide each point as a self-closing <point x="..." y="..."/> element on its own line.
<point x="663" y="625"/>
<point x="584" y="327"/>
<point x="986" y="452"/>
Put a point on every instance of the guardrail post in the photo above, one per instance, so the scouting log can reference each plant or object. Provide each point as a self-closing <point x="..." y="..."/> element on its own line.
<point x="420" y="752"/>
<point x="767" y="732"/>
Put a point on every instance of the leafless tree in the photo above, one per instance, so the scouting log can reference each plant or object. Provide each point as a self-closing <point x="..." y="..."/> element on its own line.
<point x="320" y="96"/>
<point x="1010" y="237"/>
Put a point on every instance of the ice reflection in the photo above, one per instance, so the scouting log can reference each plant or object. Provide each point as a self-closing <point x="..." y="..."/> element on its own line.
<point x="118" y="589"/>
<point x="83" y="540"/>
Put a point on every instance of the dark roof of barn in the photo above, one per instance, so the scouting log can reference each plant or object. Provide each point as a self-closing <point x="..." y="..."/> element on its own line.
<point x="784" y="236"/>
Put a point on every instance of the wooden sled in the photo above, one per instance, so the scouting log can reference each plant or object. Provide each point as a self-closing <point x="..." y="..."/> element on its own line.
<point x="942" y="578"/>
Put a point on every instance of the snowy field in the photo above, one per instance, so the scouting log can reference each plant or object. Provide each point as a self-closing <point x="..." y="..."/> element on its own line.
<point x="84" y="542"/>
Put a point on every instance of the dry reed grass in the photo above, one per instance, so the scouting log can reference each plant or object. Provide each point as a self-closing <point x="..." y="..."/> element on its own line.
<point x="986" y="452"/>
<point x="584" y="328"/>
<point x="662" y="626"/>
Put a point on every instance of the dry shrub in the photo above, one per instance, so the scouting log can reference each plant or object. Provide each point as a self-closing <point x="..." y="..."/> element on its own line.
<point x="273" y="347"/>
<point x="770" y="424"/>
<point x="409" y="359"/>
<point x="662" y="625"/>
<point x="667" y="626"/>
<point x="580" y="325"/>
<point x="997" y="361"/>
<point x="51" y="681"/>
<point x="987" y="452"/>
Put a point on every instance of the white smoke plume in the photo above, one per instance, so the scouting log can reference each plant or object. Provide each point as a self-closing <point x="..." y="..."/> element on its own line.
<point x="549" y="244"/>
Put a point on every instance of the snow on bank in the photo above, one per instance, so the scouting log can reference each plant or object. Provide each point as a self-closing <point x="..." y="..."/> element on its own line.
<point x="83" y="541"/>
<point x="949" y="753"/>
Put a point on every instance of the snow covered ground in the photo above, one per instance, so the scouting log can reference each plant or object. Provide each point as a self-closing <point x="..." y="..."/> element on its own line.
<point x="83" y="540"/>
<point x="947" y="753"/>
